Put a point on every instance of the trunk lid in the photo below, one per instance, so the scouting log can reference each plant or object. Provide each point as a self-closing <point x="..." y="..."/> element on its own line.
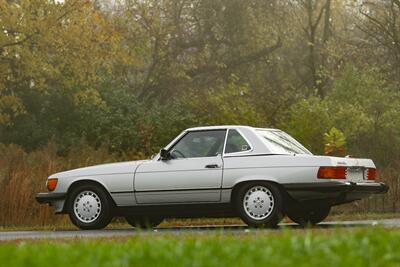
<point x="356" y="169"/>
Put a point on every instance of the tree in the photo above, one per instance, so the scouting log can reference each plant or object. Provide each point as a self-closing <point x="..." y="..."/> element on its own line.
<point x="381" y="24"/>
<point x="53" y="56"/>
<point x="194" y="43"/>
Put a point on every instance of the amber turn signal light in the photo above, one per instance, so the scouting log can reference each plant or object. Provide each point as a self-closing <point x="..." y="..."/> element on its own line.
<point x="332" y="173"/>
<point x="51" y="184"/>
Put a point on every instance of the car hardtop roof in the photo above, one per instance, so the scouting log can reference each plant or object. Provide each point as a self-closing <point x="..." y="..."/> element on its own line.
<point x="217" y="127"/>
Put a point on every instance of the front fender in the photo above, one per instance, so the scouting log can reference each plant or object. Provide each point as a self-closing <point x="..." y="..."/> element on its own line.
<point x="87" y="179"/>
<point x="64" y="184"/>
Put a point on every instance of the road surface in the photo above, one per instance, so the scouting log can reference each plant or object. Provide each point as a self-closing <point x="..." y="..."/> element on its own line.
<point x="15" y="235"/>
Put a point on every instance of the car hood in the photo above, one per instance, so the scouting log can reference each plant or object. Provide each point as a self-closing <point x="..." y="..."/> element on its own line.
<point x="103" y="169"/>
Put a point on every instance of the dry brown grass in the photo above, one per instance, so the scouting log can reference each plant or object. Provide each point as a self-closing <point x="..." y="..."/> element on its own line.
<point x="23" y="174"/>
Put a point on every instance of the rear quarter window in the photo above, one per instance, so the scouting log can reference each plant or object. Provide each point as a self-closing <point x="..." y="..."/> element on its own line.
<point x="236" y="143"/>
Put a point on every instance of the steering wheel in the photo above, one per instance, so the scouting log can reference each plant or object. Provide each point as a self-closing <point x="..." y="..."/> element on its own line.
<point x="178" y="152"/>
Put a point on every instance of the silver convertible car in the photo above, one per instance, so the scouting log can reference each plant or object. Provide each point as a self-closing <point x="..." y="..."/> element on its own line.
<point x="258" y="174"/>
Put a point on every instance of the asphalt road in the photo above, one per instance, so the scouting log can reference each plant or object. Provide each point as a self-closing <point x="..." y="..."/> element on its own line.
<point x="15" y="235"/>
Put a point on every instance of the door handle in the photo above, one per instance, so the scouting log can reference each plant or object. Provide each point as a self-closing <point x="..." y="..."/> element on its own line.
<point x="213" y="166"/>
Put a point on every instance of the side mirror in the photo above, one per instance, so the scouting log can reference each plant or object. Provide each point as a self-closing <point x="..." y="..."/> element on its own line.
<point x="164" y="154"/>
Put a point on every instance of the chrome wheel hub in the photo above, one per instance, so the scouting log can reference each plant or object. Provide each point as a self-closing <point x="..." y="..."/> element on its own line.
<point x="87" y="206"/>
<point x="258" y="202"/>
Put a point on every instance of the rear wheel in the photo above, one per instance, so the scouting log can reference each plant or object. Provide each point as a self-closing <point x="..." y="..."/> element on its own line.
<point x="89" y="207"/>
<point x="143" y="222"/>
<point x="305" y="216"/>
<point x="259" y="204"/>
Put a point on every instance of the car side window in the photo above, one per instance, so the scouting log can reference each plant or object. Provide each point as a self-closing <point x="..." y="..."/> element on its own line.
<point x="236" y="143"/>
<point x="199" y="144"/>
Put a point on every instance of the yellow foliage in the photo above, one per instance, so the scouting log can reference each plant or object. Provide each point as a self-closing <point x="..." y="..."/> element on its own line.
<point x="88" y="97"/>
<point x="10" y="106"/>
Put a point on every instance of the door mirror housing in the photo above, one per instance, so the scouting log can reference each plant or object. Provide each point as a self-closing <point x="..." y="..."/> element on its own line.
<point x="164" y="154"/>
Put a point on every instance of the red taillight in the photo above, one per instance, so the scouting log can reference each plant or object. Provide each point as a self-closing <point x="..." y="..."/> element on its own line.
<point x="332" y="173"/>
<point x="371" y="174"/>
<point x="51" y="184"/>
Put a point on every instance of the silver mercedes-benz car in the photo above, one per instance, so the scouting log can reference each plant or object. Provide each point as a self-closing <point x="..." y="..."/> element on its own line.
<point x="257" y="174"/>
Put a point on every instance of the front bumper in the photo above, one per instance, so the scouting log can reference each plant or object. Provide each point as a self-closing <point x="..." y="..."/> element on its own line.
<point x="339" y="192"/>
<point x="55" y="200"/>
<point x="49" y="197"/>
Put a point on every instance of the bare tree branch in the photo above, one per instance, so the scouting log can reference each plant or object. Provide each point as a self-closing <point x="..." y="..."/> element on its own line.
<point x="236" y="62"/>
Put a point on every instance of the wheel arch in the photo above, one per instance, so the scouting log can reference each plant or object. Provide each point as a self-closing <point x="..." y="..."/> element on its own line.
<point x="249" y="180"/>
<point x="86" y="181"/>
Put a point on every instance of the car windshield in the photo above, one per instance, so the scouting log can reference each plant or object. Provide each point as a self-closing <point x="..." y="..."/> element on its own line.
<point x="281" y="143"/>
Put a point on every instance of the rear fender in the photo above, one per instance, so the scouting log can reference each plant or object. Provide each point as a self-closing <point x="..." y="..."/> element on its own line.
<point x="252" y="178"/>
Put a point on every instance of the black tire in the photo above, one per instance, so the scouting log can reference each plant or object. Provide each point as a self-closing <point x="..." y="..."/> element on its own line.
<point x="273" y="217"/>
<point x="143" y="222"/>
<point x="104" y="216"/>
<point x="308" y="216"/>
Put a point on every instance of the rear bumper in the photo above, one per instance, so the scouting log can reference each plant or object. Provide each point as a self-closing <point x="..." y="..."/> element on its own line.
<point x="336" y="192"/>
<point x="374" y="188"/>
<point x="49" y="197"/>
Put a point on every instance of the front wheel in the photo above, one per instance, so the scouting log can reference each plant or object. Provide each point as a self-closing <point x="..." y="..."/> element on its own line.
<point x="308" y="216"/>
<point x="259" y="204"/>
<point x="89" y="207"/>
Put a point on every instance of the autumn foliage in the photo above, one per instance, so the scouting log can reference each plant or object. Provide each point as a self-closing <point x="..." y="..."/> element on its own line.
<point x="85" y="82"/>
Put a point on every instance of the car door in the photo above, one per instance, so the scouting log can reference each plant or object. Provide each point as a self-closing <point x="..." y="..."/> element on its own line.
<point x="193" y="174"/>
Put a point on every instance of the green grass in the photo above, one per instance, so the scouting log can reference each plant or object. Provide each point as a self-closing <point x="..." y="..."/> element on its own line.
<point x="323" y="247"/>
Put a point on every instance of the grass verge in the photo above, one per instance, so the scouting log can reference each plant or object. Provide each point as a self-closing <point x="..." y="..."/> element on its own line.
<point x="345" y="247"/>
